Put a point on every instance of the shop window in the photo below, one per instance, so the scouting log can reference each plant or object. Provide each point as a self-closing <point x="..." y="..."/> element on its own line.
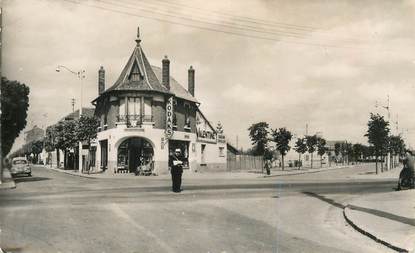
<point x="174" y="120"/>
<point x="92" y="158"/>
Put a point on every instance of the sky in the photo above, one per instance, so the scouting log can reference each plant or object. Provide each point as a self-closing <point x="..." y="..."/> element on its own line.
<point x="324" y="64"/>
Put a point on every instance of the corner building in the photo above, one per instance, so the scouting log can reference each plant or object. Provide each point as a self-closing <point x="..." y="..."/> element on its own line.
<point x="146" y="114"/>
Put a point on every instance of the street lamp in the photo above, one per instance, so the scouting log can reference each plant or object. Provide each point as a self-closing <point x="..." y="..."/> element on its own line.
<point x="387" y="108"/>
<point x="81" y="76"/>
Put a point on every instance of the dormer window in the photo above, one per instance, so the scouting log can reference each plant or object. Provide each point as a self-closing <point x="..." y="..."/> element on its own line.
<point x="135" y="74"/>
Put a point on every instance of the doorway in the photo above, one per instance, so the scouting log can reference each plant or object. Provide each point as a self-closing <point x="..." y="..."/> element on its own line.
<point x="134" y="152"/>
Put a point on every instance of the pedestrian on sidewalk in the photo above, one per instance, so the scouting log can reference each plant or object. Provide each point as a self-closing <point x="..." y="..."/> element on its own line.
<point x="268" y="167"/>
<point x="176" y="170"/>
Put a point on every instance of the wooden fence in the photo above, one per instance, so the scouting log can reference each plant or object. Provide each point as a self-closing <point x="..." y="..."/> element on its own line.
<point x="245" y="163"/>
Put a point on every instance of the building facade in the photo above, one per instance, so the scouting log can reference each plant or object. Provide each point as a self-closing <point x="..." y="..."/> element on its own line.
<point x="146" y="114"/>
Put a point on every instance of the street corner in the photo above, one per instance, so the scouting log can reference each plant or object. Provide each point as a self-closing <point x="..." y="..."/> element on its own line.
<point x="10" y="184"/>
<point x="8" y="181"/>
<point x="387" y="218"/>
<point x="73" y="173"/>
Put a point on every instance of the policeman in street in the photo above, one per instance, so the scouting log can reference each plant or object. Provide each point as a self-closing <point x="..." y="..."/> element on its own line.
<point x="176" y="170"/>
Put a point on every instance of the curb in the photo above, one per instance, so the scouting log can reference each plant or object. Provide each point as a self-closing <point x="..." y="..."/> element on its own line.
<point x="302" y="172"/>
<point x="69" y="173"/>
<point x="371" y="236"/>
<point x="8" y="182"/>
<point x="7" y="185"/>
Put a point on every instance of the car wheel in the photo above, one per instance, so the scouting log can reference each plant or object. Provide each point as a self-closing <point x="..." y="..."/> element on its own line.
<point x="29" y="174"/>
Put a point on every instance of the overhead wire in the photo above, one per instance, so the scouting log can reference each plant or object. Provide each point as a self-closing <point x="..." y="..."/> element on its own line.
<point x="121" y="10"/>
<point x="241" y="18"/>
<point x="231" y="24"/>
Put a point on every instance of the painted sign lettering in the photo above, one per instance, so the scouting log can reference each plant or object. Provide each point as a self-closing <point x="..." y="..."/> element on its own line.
<point x="169" y="118"/>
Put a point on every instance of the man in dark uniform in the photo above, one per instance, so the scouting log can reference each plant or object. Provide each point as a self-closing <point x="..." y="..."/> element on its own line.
<point x="176" y="170"/>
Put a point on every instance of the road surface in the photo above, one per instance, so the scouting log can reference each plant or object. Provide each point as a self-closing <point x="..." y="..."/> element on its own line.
<point x="57" y="212"/>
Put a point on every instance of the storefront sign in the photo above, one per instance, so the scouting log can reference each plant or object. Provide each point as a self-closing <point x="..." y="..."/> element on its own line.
<point x="94" y="142"/>
<point x="169" y="118"/>
<point x="221" y="138"/>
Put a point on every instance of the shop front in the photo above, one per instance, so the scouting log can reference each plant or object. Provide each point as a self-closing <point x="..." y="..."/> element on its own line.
<point x="133" y="153"/>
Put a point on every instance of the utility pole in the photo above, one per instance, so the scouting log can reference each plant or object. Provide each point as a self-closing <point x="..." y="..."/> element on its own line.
<point x="388" y="158"/>
<point x="306" y="129"/>
<point x="1" y="47"/>
<point x="237" y="142"/>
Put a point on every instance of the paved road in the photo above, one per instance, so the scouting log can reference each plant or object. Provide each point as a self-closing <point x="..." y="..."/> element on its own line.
<point x="56" y="212"/>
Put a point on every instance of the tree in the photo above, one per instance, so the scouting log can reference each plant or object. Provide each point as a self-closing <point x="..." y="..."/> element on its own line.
<point x="337" y="150"/>
<point x="377" y="134"/>
<point x="311" y="141"/>
<point x="259" y="136"/>
<point x="65" y="138"/>
<point x="37" y="147"/>
<point x="348" y="150"/>
<point x="300" y="148"/>
<point x="282" y="138"/>
<point x="49" y="140"/>
<point x="14" y="105"/>
<point x="396" y="145"/>
<point x="321" y="149"/>
<point x="86" y="129"/>
<point x="357" y="151"/>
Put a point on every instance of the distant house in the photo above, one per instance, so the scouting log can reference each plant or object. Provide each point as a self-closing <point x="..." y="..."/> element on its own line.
<point x="86" y="111"/>
<point x="34" y="134"/>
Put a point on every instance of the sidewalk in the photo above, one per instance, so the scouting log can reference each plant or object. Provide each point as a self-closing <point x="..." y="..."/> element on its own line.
<point x="198" y="175"/>
<point x="390" y="174"/>
<point x="295" y="171"/>
<point x="388" y="218"/>
<point x="8" y="182"/>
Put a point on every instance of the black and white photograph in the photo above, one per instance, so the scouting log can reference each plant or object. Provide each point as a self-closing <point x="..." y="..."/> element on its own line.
<point x="222" y="126"/>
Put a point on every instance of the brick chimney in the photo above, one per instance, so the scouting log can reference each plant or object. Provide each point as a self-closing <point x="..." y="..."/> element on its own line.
<point x="191" y="81"/>
<point x="166" y="72"/>
<point x="101" y="80"/>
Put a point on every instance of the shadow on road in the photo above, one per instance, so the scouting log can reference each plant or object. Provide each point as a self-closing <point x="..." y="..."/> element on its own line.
<point x="18" y="180"/>
<point x="367" y="173"/>
<point x="379" y="213"/>
<point x="327" y="200"/>
<point x="382" y="214"/>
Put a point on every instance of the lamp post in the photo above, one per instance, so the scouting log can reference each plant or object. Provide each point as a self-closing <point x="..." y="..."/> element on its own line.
<point x="388" y="158"/>
<point x="81" y="76"/>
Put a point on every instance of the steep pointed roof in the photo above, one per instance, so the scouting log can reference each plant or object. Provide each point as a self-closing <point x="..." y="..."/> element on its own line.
<point x="146" y="79"/>
<point x="139" y="75"/>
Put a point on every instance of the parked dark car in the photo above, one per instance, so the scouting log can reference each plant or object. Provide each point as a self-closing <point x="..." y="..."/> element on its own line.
<point x="20" y="165"/>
